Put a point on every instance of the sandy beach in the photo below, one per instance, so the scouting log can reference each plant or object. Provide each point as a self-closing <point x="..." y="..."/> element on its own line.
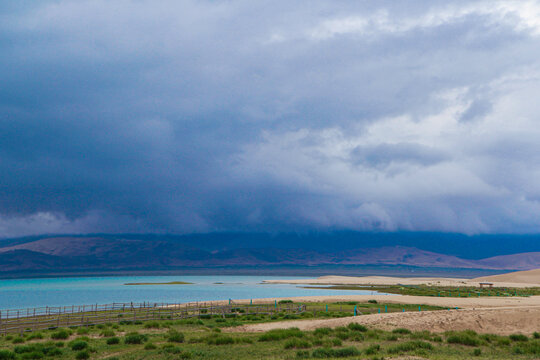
<point x="519" y="279"/>
<point x="496" y="315"/>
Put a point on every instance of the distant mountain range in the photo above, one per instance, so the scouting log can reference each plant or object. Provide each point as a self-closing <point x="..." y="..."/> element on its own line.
<point x="138" y="252"/>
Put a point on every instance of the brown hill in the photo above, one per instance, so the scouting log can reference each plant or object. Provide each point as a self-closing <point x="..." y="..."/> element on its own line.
<point x="108" y="253"/>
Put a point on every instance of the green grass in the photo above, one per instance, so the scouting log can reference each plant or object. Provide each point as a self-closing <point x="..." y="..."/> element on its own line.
<point x="208" y="338"/>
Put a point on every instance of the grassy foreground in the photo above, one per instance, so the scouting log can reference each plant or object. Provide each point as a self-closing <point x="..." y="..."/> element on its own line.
<point x="205" y="338"/>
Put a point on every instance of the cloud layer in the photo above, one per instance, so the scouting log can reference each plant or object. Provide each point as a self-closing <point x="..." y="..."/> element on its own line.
<point x="216" y="115"/>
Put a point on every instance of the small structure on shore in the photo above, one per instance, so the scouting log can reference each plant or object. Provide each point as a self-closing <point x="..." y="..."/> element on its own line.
<point x="486" y="284"/>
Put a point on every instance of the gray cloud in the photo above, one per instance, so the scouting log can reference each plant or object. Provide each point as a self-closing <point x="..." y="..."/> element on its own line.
<point x="200" y="116"/>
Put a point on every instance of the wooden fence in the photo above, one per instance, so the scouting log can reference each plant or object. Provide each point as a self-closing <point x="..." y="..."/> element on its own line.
<point x="30" y="319"/>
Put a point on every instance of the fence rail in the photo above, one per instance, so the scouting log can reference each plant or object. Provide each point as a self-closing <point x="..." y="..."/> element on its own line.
<point x="30" y="319"/>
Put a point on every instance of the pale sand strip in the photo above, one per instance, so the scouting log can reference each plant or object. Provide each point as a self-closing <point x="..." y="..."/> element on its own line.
<point x="451" y="302"/>
<point x="485" y="315"/>
<point x="502" y="321"/>
<point x="506" y="281"/>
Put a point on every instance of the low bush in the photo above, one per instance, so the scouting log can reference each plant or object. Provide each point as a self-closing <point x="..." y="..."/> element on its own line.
<point x="7" y="355"/>
<point x="107" y="333"/>
<point x="410" y="346"/>
<point x="152" y="325"/>
<point x="322" y="331"/>
<point x="78" y="345"/>
<point x="297" y="343"/>
<point x="60" y="334"/>
<point x="357" y="327"/>
<point x="18" y="340"/>
<point x="280" y="334"/>
<point x="36" y="335"/>
<point x="401" y="331"/>
<point x="335" y="353"/>
<point x="285" y="302"/>
<point x="175" y="336"/>
<point x="33" y="355"/>
<point x="82" y="355"/>
<point x="373" y="349"/>
<point x="150" y="346"/>
<point x="468" y="338"/>
<point x="113" y="341"/>
<point x="518" y="337"/>
<point x="477" y="352"/>
<point x="219" y="340"/>
<point x="134" y="339"/>
<point x="82" y="331"/>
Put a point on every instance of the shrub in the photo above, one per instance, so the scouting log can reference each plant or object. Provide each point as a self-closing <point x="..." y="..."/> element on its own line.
<point x="113" y="341"/>
<point x="296" y="343"/>
<point x="6" y="355"/>
<point x="410" y="346"/>
<point x="219" y="340"/>
<point x="373" y="349"/>
<point x="285" y="302"/>
<point x="150" y="346"/>
<point x="322" y="331"/>
<point x="357" y="327"/>
<point x="372" y="301"/>
<point x="78" y="345"/>
<point x="536" y="335"/>
<point x="134" y="339"/>
<point x="82" y="355"/>
<point x="335" y="353"/>
<point x="391" y="338"/>
<point x="33" y="355"/>
<point x="152" y="325"/>
<point x="463" y="338"/>
<point x="175" y="336"/>
<point x="477" y="352"/>
<point x="82" y="331"/>
<point x="18" y="340"/>
<point x="423" y="335"/>
<point x="280" y="334"/>
<point x="336" y="342"/>
<point x="401" y="331"/>
<point x="302" y="354"/>
<point x="36" y="335"/>
<point x="107" y="333"/>
<point x="61" y="334"/>
<point x="531" y="347"/>
<point x="518" y="337"/>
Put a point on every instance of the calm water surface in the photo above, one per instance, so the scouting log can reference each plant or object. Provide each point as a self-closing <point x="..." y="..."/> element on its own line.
<point x="22" y="293"/>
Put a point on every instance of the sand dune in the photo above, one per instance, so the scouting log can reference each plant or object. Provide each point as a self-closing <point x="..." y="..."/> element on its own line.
<point x="517" y="279"/>
<point x="502" y="321"/>
<point x="525" y="277"/>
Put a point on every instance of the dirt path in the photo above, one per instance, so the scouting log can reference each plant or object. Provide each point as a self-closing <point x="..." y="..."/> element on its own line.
<point x="500" y="320"/>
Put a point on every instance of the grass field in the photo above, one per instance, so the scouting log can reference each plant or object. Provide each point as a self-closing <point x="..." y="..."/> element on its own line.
<point x="206" y="338"/>
<point x="442" y="291"/>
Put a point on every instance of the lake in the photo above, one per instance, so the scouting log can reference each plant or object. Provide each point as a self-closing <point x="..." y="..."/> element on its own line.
<point x="24" y="293"/>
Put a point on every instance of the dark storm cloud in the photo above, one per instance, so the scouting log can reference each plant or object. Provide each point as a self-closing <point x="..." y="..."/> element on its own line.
<point x="199" y="116"/>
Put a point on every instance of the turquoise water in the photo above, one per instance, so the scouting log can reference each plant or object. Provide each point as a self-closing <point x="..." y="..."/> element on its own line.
<point x="23" y="293"/>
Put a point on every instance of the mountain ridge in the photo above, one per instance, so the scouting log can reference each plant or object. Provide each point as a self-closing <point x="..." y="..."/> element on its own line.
<point x="109" y="253"/>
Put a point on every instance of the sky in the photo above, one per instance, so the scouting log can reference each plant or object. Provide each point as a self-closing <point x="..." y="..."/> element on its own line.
<point x="202" y="116"/>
